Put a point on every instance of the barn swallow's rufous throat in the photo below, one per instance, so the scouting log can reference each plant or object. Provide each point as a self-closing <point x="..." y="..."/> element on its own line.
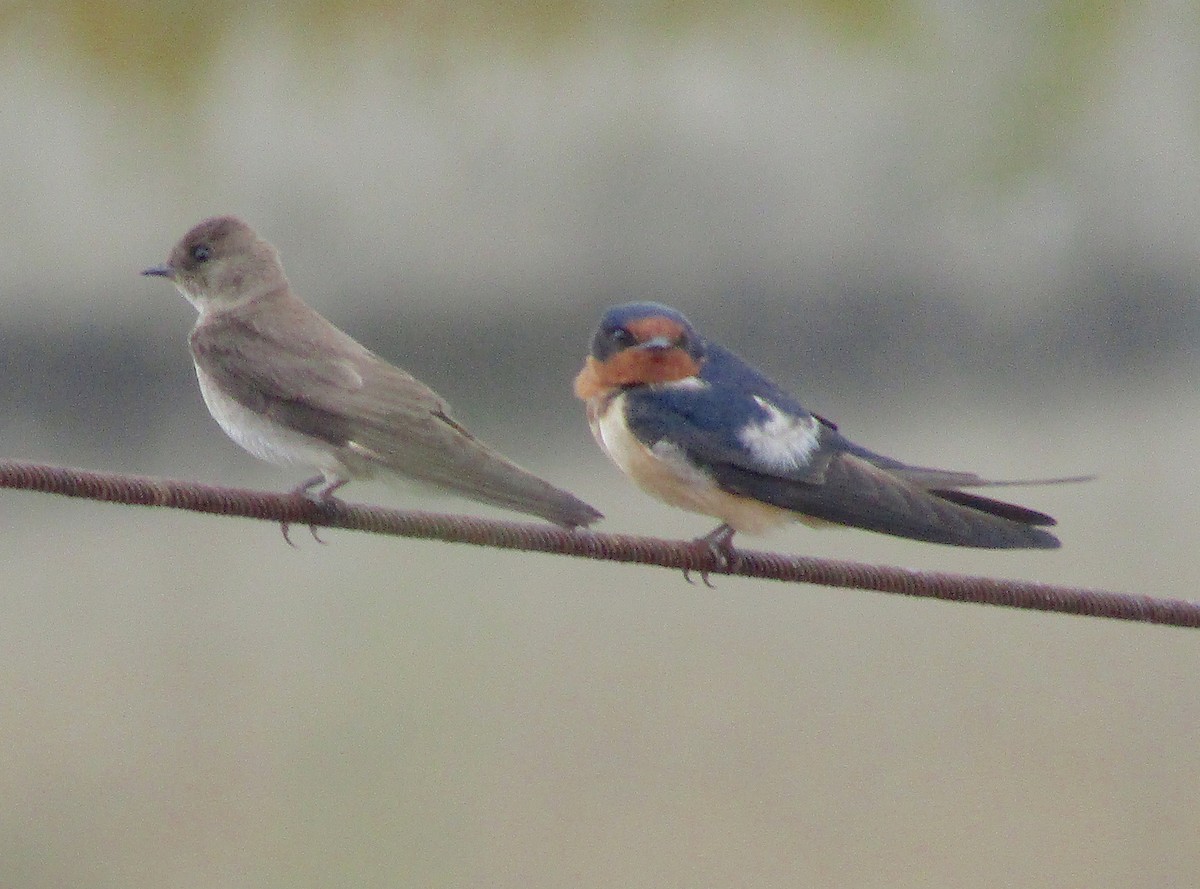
<point x="292" y="389"/>
<point x="696" y="426"/>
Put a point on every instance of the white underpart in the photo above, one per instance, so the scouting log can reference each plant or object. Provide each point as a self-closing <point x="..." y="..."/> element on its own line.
<point x="266" y="439"/>
<point x="665" y="471"/>
<point x="782" y="441"/>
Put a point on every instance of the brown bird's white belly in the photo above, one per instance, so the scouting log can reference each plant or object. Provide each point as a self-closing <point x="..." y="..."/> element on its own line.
<point x="266" y="439"/>
<point x="665" y="472"/>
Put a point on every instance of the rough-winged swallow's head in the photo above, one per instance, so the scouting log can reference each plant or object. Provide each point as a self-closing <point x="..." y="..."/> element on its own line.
<point x="220" y="263"/>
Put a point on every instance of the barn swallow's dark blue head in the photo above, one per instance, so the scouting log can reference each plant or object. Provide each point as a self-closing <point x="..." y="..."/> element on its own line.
<point x="640" y="344"/>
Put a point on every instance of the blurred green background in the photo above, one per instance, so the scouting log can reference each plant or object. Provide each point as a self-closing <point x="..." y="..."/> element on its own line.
<point x="967" y="232"/>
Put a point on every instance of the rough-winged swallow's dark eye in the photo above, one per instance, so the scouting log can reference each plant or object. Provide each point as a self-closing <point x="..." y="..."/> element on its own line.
<point x="201" y="252"/>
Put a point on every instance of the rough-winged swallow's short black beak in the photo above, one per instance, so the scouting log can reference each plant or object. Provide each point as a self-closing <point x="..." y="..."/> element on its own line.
<point x="161" y="271"/>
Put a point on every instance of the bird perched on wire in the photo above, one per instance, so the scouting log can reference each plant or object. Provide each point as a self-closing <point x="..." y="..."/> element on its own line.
<point x="696" y="426"/>
<point x="292" y="389"/>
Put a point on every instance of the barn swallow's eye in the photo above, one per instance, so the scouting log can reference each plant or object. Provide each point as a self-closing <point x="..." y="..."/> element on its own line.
<point x="622" y="338"/>
<point x="201" y="252"/>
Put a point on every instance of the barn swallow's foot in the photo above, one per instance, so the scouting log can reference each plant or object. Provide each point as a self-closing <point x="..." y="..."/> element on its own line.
<point x="718" y="544"/>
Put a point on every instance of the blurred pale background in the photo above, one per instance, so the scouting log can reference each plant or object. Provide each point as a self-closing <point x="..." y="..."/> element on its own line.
<point x="966" y="231"/>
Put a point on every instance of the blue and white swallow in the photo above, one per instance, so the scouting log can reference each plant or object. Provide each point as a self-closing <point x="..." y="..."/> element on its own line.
<point x="696" y="426"/>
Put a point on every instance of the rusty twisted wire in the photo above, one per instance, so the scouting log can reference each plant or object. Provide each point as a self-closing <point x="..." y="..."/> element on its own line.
<point x="684" y="555"/>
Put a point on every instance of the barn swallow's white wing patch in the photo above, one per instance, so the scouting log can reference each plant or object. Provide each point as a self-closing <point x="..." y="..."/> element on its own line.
<point x="782" y="441"/>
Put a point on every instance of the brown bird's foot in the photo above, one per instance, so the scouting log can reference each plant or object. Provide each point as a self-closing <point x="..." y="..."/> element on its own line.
<point x="717" y="543"/>
<point x="321" y="498"/>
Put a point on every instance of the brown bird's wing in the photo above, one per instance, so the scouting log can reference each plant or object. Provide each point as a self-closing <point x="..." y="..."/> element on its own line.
<point x="305" y="374"/>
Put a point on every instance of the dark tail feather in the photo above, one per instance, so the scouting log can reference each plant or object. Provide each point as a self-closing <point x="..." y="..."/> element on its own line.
<point x="855" y="492"/>
<point x="1009" y="511"/>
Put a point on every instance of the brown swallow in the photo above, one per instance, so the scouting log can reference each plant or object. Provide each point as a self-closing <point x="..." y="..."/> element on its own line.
<point x="293" y="389"/>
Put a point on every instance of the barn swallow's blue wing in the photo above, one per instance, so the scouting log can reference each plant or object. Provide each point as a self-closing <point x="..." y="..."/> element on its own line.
<point x="755" y="441"/>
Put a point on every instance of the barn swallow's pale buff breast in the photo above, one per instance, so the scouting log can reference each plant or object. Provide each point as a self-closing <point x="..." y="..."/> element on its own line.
<point x="292" y="389"/>
<point x="696" y="426"/>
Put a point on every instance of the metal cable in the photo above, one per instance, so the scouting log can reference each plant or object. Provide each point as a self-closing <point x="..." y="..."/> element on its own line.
<point x="688" y="556"/>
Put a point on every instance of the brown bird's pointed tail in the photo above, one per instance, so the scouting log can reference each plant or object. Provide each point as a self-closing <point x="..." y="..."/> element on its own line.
<point x="511" y="487"/>
<point x="476" y="472"/>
